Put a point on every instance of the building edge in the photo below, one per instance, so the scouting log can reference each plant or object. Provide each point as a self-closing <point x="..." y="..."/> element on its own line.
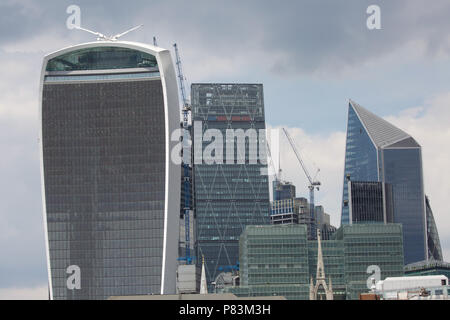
<point x="171" y="110"/>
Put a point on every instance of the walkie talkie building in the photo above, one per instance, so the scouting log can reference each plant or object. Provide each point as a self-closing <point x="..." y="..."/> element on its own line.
<point x="111" y="194"/>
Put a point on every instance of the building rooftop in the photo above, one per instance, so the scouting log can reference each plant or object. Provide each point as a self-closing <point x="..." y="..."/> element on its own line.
<point x="381" y="132"/>
<point x="213" y="296"/>
<point x="426" y="264"/>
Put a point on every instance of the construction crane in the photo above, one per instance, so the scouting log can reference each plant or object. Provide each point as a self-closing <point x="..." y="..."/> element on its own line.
<point x="276" y="173"/>
<point x="186" y="108"/>
<point x="313" y="184"/>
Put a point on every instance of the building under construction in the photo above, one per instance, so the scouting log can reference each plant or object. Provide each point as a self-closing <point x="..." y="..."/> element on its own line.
<point x="286" y="208"/>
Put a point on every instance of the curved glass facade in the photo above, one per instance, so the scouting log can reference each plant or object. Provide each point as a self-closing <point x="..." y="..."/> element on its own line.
<point x="378" y="151"/>
<point x="104" y="165"/>
<point x="96" y="77"/>
<point x="360" y="158"/>
<point x="104" y="170"/>
<point x="100" y="58"/>
<point x="434" y="244"/>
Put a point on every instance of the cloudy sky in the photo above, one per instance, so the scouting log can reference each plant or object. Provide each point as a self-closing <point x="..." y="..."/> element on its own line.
<point x="311" y="56"/>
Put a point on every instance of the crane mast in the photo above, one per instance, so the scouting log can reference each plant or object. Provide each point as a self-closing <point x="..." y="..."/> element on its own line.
<point x="276" y="173"/>
<point x="186" y="158"/>
<point x="313" y="184"/>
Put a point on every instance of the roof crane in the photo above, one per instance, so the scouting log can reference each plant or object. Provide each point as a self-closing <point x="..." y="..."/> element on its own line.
<point x="102" y="37"/>
<point x="313" y="184"/>
<point x="186" y="108"/>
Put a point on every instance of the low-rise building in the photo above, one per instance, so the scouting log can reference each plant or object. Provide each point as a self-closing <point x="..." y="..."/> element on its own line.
<point x="413" y="288"/>
<point x="428" y="268"/>
<point x="280" y="260"/>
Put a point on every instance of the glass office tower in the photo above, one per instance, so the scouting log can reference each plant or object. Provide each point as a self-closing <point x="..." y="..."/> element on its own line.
<point x="370" y="202"/>
<point x="228" y="196"/>
<point x="111" y="194"/>
<point x="434" y="244"/>
<point x="378" y="151"/>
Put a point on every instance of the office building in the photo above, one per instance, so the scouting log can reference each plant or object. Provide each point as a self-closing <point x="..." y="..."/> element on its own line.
<point x="370" y="202"/>
<point x="321" y="216"/>
<point x="282" y="190"/>
<point x="280" y="260"/>
<point x="323" y="223"/>
<point x="187" y="223"/>
<point x="428" y="268"/>
<point x="378" y="151"/>
<point x="413" y="288"/>
<point x="230" y="184"/>
<point x="434" y="244"/>
<point x="111" y="194"/>
<point x="289" y="209"/>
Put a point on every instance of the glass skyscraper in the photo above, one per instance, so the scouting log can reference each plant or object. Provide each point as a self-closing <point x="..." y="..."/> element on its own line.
<point x="378" y="151"/>
<point x="370" y="202"/>
<point x="434" y="244"/>
<point x="228" y="196"/>
<point x="111" y="194"/>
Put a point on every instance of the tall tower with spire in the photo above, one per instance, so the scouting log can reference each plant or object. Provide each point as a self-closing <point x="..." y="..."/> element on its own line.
<point x="203" y="284"/>
<point x="320" y="275"/>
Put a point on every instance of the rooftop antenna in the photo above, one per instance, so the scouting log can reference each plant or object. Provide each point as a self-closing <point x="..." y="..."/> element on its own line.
<point x="102" y="37"/>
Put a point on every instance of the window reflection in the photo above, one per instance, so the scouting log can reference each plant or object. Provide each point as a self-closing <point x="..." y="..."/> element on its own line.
<point x="101" y="58"/>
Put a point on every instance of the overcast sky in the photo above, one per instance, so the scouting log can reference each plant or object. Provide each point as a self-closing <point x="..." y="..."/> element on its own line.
<point x="311" y="56"/>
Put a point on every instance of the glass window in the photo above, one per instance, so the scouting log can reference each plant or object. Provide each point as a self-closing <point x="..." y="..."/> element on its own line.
<point x="101" y="58"/>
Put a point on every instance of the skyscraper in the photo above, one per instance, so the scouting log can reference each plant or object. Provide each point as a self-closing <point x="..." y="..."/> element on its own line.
<point x="434" y="244"/>
<point x="111" y="194"/>
<point x="378" y="151"/>
<point x="370" y="202"/>
<point x="229" y="195"/>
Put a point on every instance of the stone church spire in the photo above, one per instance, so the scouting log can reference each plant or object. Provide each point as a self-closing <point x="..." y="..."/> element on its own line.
<point x="320" y="275"/>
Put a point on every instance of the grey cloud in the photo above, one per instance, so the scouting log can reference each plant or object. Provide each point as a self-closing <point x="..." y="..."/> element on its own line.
<point x="291" y="36"/>
<point x="21" y="229"/>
